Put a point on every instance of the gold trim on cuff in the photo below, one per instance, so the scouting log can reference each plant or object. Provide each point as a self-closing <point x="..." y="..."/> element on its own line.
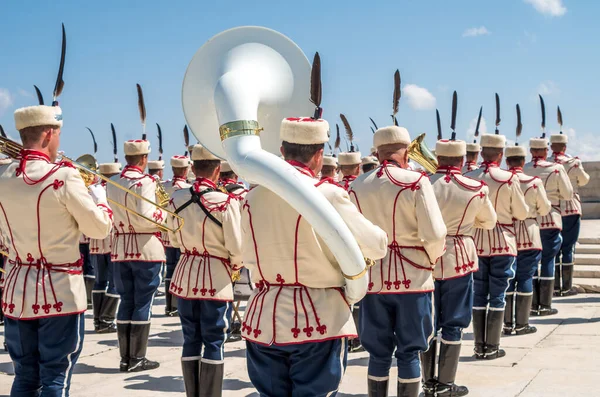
<point x="239" y="127"/>
<point x="368" y="263"/>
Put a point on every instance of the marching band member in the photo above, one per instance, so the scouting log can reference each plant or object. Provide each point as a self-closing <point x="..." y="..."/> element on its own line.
<point x="558" y="187"/>
<point x="529" y="246"/>
<point x="329" y="168"/>
<point x="44" y="295"/>
<point x="570" y="211"/>
<point x="297" y="320"/>
<point x="465" y="205"/>
<point x="210" y="247"/>
<point x="138" y="253"/>
<point x="349" y="161"/>
<point x="105" y="298"/>
<point x="368" y="163"/>
<point x="397" y="311"/>
<point x="229" y="181"/>
<point x="156" y="169"/>
<point x="472" y="156"/>
<point x="180" y="166"/>
<point x="496" y="248"/>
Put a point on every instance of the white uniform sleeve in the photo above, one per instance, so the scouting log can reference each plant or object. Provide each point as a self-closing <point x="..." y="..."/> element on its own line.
<point x="543" y="204"/>
<point x="232" y="233"/>
<point x="518" y="206"/>
<point x="565" y="189"/>
<point x="432" y="229"/>
<point x="582" y="177"/>
<point x="486" y="217"/>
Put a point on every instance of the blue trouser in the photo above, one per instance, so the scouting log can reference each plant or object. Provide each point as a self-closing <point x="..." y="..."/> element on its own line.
<point x="570" y="234"/>
<point x="396" y="321"/>
<point x="173" y="255"/>
<point x="492" y="280"/>
<point x="104" y="270"/>
<point x="312" y="369"/>
<point x="136" y="284"/>
<point x="527" y="266"/>
<point x="44" y="353"/>
<point x="205" y="324"/>
<point x="453" y="300"/>
<point x="551" y="242"/>
<point x="88" y="266"/>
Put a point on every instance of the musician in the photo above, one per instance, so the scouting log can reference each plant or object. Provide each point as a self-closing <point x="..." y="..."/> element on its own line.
<point x="465" y="205"/>
<point x="105" y="298"/>
<point x="297" y="320"/>
<point x="558" y="187"/>
<point x="180" y="167"/>
<point x="44" y="293"/>
<point x="210" y="248"/>
<point x="397" y="311"/>
<point x="156" y="168"/>
<point x="571" y="215"/>
<point x="349" y="167"/>
<point x="529" y="246"/>
<point x="229" y="181"/>
<point x="368" y="163"/>
<point x="472" y="156"/>
<point x="138" y="253"/>
<point x="496" y="248"/>
<point x="329" y="168"/>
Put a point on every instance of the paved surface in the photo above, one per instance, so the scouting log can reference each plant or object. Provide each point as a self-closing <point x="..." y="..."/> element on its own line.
<point x="561" y="359"/>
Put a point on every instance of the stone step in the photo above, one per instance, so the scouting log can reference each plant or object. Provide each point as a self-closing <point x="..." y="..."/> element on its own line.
<point x="586" y="271"/>
<point x="591" y="285"/>
<point x="588" y="249"/>
<point x="587" y="259"/>
<point x="589" y="240"/>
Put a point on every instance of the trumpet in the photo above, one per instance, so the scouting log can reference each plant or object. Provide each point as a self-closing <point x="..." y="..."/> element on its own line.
<point x="86" y="165"/>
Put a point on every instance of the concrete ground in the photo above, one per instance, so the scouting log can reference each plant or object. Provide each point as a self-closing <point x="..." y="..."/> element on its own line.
<point x="559" y="360"/>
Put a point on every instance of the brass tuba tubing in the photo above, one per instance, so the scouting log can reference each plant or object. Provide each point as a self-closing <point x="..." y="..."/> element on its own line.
<point x="421" y="154"/>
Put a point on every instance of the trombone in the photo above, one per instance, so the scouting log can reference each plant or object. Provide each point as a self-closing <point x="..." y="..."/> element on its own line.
<point x="86" y="166"/>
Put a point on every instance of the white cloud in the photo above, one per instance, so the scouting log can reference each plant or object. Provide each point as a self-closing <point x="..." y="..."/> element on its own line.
<point x="419" y="98"/>
<point x="471" y="129"/>
<point x="553" y="8"/>
<point x="584" y="146"/>
<point x="25" y="93"/>
<point x="474" y="32"/>
<point x="6" y="100"/>
<point x="548" y="88"/>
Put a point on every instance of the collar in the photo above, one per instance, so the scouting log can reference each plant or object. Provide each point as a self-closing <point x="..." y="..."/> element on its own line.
<point x="387" y="163"/>
<point x="443" y="169"/>
<point x="536" y="159"/>
<point x="350" y="177"/>
<point x="133" y="168"/>
<point x="34" y="155"/>
<point x="518" y="170"/>
<point x="177" y="179"/>
<point x="555" y="154"/>
<point x="228" y="181"/>
<point x="301" y="167"/>
<point x="489" y="164"/>
<point x="201" y="181"/>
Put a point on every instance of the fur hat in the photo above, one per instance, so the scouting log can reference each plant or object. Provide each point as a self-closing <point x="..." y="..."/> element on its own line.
<point x="225" y="167"/>
<point x="559" y="138"/>
<point x="180" y="161"/>
<point x="304" y="130"/>
<point x="493" y="141"/>
<point x="349" y="158"/>
<point x="156" y="165"/>
<point x="109" y="168"/>
<point x="136" y="147"/>
<point x="199" y="152"/>
<point x="34" y="116"/>
<point x="330" y="161"/>
<point x="473" y="148"/>
<point x="515" y="151"/>
<point x="391" y="135"/>
<point x="369" y="160"/>
<point x="448" y="148"/>
<point x="538" y="143"/>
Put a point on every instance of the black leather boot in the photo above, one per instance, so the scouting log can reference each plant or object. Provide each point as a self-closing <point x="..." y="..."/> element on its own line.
<point x="567" y="280"/>
<point x="449" y="356"/>
<point x="546" y="287"/>
<point x="170" y="309"/>
<point x="557" y="277"/>
<point x="428" y="360"/>
<point x="138" y="347"/>
<point x="191" y="377"/>
<point x="211" y="380"/>
<point x="89" y="286"/>
<point x="107" y="315"/>
<point x="492" y="335"/>
<point x="409" y="389"/>
<point x="479" y="320"/>
<point x="355" y="345"/>
<point x="377" y="388"/>
<point x="523" y="305"/>
<point x="509" y="324"/>
<point x="535" y="302"/>
<point x="97" y="299"/>
<point x="123" y="337"/>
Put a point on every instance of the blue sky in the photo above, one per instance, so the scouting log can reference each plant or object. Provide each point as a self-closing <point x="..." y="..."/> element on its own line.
<point x="518" y="48"/>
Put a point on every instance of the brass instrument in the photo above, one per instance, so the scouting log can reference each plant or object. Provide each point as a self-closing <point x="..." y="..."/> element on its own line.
<point x="162" y="196"/>
<point x="87" y="167"/>
<point x="421" y="154"/>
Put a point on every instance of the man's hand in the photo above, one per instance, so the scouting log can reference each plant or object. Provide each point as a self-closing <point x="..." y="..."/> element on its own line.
<point x="98" y="193"/>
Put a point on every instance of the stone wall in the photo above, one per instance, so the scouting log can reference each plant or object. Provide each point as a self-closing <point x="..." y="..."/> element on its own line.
<point x="590" y="193"/>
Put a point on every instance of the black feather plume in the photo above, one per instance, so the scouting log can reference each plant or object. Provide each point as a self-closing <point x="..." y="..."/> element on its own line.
<point x="315" y="86"/>
<point x="39" y="95"/>
<point x="338" y="139"/>
<point x="114" y="142"/>
<point x="349" y="133"/>
<point x="2" y="132"/>
<point x="519" y="124"/>
<point x="329" y="146"/>
<point x="160" y="146"/>
<point x="374" y="125"/>
<point x="60" y="84"/>
<point x="372" y="130"/>
<point x="559" y="118"/>
<point x="186" y="137"/>
<point x="93" y="139"/>
<point x="142" y="109"/>
<point x="543" y="107"/>
<point x="477" y="126"/>
<point x="396" y="98"/>
<point x="454" y="109"/>
<point x="497" y="113"/>
<point x="439" y="124"/>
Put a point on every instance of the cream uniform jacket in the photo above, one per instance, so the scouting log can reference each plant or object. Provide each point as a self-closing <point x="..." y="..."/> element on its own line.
<point x="101" y="246"/>
<point x="209" y="251"/>
<point x="528" y="230"/>
<point x="299" y="295"/>
<point x="465" y="205"/>
<point x="239" y="192"/>
<point x="469" y="166"/>
<point x="136" y="239"/>
<point x="558" y="187"/>
<point x="45" y="208"/>
<point x="509" y="203"/>
<point x="171" y="187"/>
<point x="403" y="204"/>
<point x="577" y="176"/>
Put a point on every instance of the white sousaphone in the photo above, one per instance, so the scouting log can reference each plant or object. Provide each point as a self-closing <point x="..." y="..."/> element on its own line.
<point x="237" y="89"/>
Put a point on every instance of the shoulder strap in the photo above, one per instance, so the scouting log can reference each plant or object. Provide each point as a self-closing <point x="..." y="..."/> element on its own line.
<point x="197" y="198"/>
<point x="232" y="187"/>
